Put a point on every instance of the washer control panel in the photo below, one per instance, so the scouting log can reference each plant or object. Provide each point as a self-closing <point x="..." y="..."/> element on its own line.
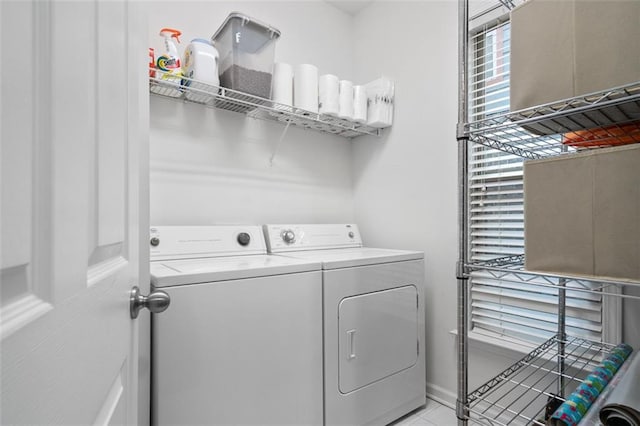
<point x="311" y="237"/>
<point x="186" y="242"/>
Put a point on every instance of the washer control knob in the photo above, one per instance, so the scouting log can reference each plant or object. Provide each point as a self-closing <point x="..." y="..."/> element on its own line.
<point x="244" y="239"/>
<point x="155" y="241"/>
<point x="351" y="234"/>
<point x="288" y="236"/>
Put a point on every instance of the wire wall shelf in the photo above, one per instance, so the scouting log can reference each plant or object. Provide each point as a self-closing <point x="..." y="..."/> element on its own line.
<point x="519" y="395"/>
<point x="596" y="120"/>
<point x="207" y="95"/>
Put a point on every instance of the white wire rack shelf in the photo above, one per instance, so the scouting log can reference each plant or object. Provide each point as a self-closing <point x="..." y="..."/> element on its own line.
<point x="519" y="395"/>
<point x="207" y="95"/>
<point x="610" y="118"/>
<point x="511" y="269"/>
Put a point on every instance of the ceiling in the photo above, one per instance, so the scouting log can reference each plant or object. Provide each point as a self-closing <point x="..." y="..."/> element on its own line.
<point x="352" y="7"/>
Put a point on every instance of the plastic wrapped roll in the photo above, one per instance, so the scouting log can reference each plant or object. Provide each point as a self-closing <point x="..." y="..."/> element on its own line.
<point x="305" y="87"/>
<point x="328" y="94"/>
<point x="360" y="104"/>
<point x="346" y="100"/>
<point x="282" y="91"/>
<point x="622" y="406"/>
<point x="578" y="403"/>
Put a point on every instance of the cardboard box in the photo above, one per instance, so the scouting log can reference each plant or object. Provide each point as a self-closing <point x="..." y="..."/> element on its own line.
<point x="582" y="213"/>
<point x="607" y="51"/>
<point x="542" y="53"/>
<point x="568" y="48"/>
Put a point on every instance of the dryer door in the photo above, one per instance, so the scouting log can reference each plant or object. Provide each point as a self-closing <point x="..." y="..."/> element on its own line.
<point x="378" y="336"/>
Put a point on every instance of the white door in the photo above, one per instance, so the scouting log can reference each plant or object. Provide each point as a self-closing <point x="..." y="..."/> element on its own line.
<point x="73" y="192"/>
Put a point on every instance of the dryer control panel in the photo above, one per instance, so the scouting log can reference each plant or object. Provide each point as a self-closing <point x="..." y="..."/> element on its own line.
<point x="284" y="238"/>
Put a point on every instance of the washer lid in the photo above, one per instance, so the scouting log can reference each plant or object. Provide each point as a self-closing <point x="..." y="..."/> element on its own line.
<point x="352" y="257"/>
<point x="193" y="271"/>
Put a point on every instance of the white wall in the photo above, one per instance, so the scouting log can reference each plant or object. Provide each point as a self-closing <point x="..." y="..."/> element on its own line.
<point x="405" y="184"/>
<point x="212" y="167"/>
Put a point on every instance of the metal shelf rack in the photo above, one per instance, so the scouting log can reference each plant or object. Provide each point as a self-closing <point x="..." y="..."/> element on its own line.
<point x="512" y="268"/>
<point x="520" y="393"/>
<point x="538" y="377"/>
<point x="197" y="92"/>
<point x="539" y="132"/>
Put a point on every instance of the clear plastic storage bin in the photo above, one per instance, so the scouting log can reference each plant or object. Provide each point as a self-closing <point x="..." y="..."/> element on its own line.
<point x="247" y="51"/>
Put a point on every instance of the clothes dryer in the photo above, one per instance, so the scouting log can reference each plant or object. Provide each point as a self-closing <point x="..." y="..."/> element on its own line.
<point x="241" y="342"/>
<point x="374" y="353"/>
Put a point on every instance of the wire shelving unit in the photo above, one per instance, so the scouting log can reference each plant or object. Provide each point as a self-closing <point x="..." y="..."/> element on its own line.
<point x="520" y="394"/>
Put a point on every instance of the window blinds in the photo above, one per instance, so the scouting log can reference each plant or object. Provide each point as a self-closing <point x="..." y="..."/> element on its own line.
<point x="515" y="308"/>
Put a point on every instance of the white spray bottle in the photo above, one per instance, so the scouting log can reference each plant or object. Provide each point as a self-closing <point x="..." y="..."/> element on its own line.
<point x="168" y="64"/>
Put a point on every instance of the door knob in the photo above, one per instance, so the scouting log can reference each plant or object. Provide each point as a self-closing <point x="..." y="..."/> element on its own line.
<point x="157" y="301"/>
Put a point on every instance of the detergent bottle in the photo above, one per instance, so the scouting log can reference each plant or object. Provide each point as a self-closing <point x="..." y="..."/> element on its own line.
<point x="199" y="69"/>
<point x="168" y="64"/>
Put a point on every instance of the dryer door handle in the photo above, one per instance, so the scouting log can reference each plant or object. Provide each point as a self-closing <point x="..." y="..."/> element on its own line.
<point x="352" y="350"/>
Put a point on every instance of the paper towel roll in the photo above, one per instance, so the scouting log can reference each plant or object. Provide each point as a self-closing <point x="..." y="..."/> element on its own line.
<point x="346" y="100"/>
<point x="282" y="91"/>
<point x="328" y="94"/>
<point x="305" y="87"/>
<point x="360" y="104"/>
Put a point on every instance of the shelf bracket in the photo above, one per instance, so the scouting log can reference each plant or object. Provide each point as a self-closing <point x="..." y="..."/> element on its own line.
<point x="461" y="132"/>
<point x="277" y="145"/>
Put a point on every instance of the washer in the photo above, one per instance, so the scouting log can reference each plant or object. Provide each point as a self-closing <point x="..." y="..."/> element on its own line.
<point x="374" y="364"/>
<point x="241" y="342"/>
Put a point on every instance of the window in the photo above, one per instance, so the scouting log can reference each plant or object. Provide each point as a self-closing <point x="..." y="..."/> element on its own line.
<point x="493" y="58"/>
<point x="515" y="308"/>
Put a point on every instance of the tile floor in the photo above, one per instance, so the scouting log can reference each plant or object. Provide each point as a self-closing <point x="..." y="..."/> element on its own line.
<point x="433" y="414"/>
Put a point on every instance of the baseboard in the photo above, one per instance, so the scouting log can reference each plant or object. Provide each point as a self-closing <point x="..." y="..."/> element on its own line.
<point x="441" y="395"/>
